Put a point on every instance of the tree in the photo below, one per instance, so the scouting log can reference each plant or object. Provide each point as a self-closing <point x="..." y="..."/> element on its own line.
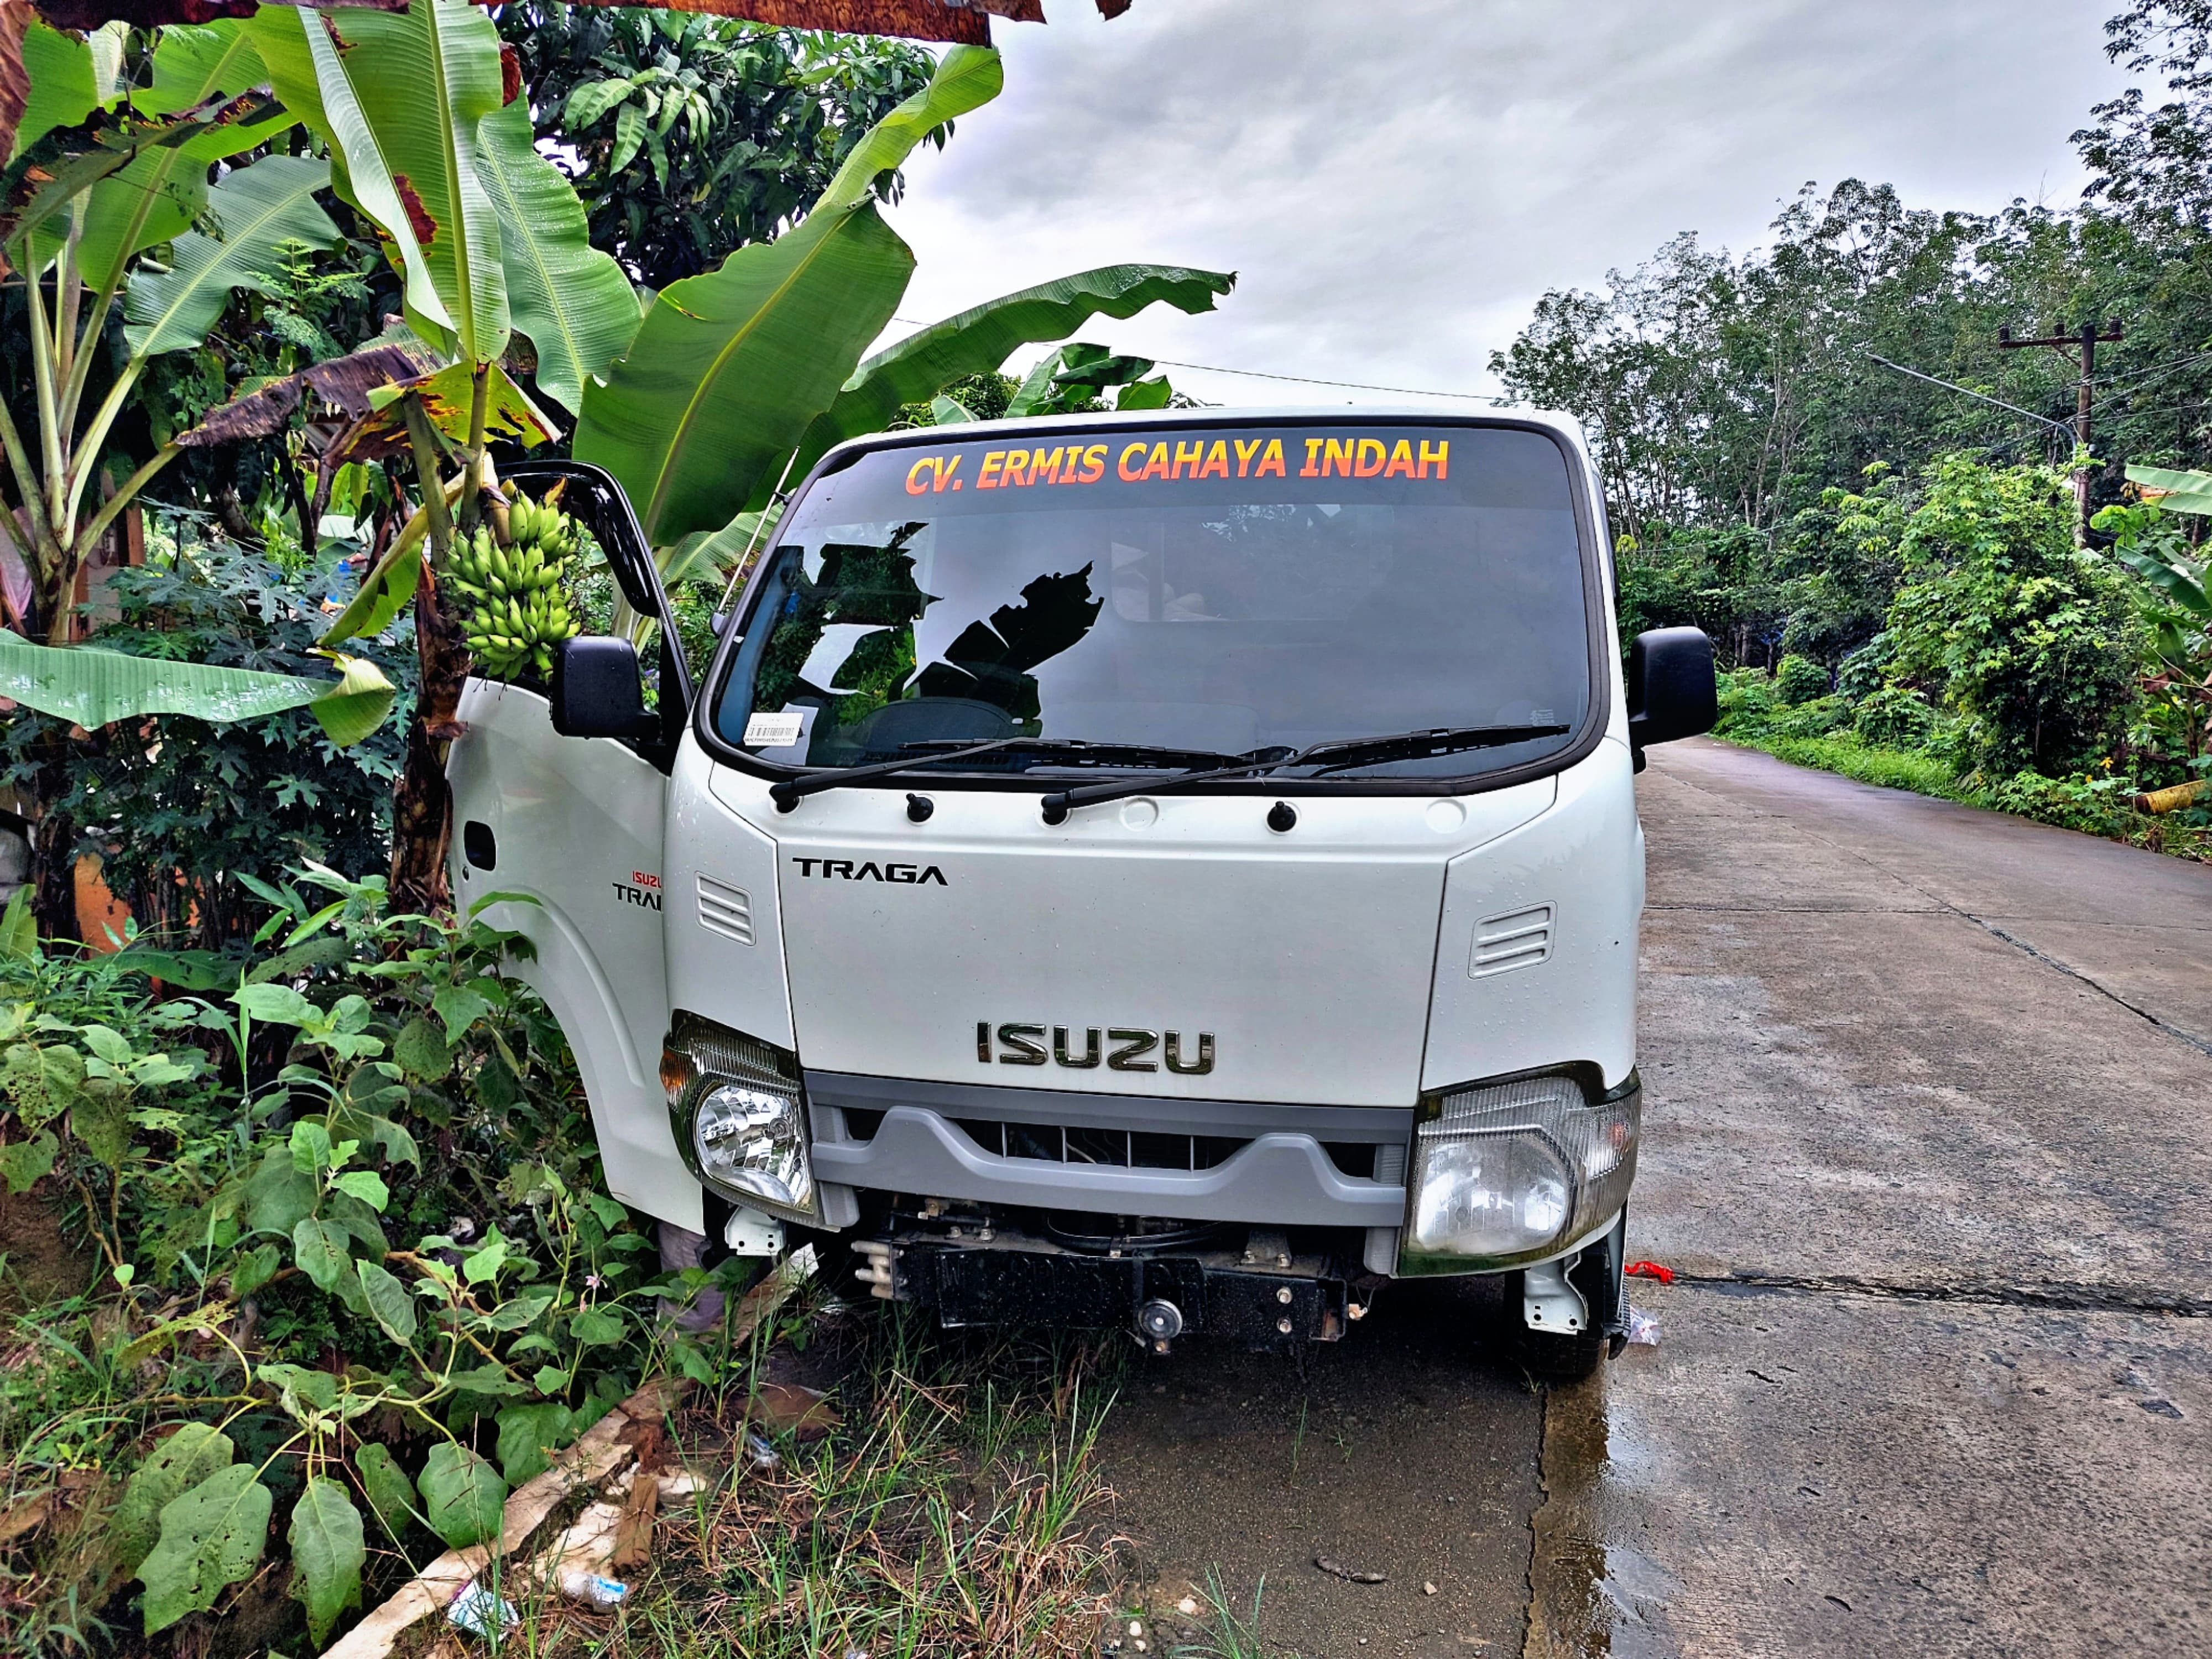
<point x="692" y="136"/>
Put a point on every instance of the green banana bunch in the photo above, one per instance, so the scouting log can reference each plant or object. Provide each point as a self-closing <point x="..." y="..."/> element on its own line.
<point x="514" y="613"/>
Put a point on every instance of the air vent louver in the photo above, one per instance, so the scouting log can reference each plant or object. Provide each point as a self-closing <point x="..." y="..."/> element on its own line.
<point x="725" y="910"/>
<point x="1519" y="938"/>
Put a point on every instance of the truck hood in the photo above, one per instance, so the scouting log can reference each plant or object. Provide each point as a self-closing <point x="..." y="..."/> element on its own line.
<point x="984" y="946"/>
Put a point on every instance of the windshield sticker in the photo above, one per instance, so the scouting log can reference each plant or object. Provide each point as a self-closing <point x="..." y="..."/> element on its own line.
<point x="775" y="731"/>
<point x="1165" y="460"/>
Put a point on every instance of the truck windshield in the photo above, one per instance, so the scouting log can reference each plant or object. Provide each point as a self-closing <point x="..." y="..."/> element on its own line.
<point x="1135" y="598"/>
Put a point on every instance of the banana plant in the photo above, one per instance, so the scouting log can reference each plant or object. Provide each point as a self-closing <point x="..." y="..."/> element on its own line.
<point x="91" y="206"/>
<point x="2177" y="615"/>
<point x="738" y="380"/>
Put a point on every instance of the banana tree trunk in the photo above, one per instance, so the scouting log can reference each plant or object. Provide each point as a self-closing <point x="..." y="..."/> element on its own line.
<point x="422" y="816"/>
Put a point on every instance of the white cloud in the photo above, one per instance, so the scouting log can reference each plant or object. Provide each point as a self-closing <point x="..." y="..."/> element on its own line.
<point x="1396" y="183"/>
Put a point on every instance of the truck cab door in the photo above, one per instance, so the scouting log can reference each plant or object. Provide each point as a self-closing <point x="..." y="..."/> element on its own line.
<point x="571" y="825"/>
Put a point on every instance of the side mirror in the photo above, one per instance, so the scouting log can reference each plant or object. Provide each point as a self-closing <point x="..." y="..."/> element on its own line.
<point x="1671" y="693"/>
<point x="597" y="691"/>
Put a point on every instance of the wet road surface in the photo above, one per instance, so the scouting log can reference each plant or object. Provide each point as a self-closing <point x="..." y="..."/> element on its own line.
<point x="1928" y="1098"/>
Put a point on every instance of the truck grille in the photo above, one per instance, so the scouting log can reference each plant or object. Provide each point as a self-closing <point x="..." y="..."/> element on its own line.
<point x="1122" y="1149"/>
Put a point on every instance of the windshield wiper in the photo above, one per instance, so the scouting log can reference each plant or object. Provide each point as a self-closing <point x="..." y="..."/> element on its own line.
<point x="1084" y="751"/>
<point x="936" y="752"/>
<point x="789" y="792"/>
<point x="1417" y="745"/>
<point x="1330" y="757"/>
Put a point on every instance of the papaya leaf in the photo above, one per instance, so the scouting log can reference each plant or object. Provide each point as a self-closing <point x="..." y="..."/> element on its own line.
<point x="211" y="1538"/>
<point x="463" y="1495"/>
<point x="327" y="1548"/>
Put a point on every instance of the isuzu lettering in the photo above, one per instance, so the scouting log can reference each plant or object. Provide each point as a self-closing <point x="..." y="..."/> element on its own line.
<point x="1175" y="872"/>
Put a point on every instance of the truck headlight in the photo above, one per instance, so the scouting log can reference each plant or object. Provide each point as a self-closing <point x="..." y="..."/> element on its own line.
<point x="1506" y="1173"/>
<point x="739" y="1115"/>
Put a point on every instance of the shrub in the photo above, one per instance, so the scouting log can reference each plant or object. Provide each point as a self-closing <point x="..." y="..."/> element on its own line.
<point x="1800" y="679"/>
<point x="344" y="1195"/>
<point x="2095" y="806"/>
<point x="2031" y="645"/>
<point x="1896" y="716"/>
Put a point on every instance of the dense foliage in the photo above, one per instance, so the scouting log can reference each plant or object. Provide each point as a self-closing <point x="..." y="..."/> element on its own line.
<point x="344" y="1192"/>
<point x="692" y="135"/>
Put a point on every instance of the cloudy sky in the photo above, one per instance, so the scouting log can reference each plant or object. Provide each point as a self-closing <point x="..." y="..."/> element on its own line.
<point x="1396" y="181"/>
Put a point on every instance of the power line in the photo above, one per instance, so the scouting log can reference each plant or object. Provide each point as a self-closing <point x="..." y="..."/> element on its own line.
<point x="1300" y="379"/>
<point x="1952" y="385"/>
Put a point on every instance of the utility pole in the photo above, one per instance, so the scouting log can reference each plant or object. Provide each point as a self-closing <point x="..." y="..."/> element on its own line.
<point x="2085" y="344"/>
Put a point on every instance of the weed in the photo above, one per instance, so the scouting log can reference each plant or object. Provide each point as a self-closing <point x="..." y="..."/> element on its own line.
<point x="1231" y="1635"/>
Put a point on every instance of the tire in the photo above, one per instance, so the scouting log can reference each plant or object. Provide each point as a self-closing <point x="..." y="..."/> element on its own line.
<point x="1555" y="1357"/>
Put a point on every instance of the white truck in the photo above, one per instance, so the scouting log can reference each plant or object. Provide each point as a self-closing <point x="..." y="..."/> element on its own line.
<point x="1175" y="872"/>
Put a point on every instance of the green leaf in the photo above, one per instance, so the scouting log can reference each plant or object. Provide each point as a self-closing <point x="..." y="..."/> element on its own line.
<point x="98" y="1121"/>
<point x="63" y="87"/>
<point x="388" y="1302"/>
<point x="459" y="1007"/>
<point x="310" y="1143"/>
<point x="278" y="1196"/>
<point x="327" y="1548"/>
<point x="398" y="96"/>
<point x="463" y="1496"/>
<point x="597" y="1327"/>
<point x="730" y="368"/>
<point x="629" y="133"/>
<point x="527" y="1434"/>
<point x="572" y="301"/>
<point x="482" y="1266"/>
<point x="320" y="1252"/>
<point x="550" y="1379"/>
<point x="211" y="1538"/>
<point x="258" y="210"/>
<point x="24" y="1162"/>
<point x="590" y="100"/>
<point x="187" y="971"/>
<point x="979" y="340"/>
<point x="519" y="1311"/>
<point x="949" y="411"/>
<point x="19" y="928"/>
<point x="162" y="192"/>
<point x="356" y="705"/>
<point x="1145" y="394"/>
<point x="173" y="1467"/>
<point x="254" y="1268"/>
<point x="422" y="1050"/>
<point x="391" y="1491"/>
<point x="278" y="1004"/>
<point x="95" y="688"/>
<point x="302" y="1390"/>
<point x="367" y="1186"/>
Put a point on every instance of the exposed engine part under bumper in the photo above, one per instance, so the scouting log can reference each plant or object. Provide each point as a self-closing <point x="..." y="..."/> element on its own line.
<point x="1260" y="1293"/>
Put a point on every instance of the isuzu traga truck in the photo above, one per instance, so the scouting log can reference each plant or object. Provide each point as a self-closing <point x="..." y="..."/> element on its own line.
<point x="1175" y="872"/>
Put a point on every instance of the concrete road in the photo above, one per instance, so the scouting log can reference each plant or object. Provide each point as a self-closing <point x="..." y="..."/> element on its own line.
<point x="1928" y="1141"/>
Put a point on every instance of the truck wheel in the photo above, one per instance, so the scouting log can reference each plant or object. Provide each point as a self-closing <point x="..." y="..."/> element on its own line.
<point x="1559" y="1356"/>
<point x="1553" y="1357"/>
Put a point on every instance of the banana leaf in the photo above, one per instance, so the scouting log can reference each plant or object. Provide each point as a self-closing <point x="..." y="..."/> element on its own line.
<point x="95" y="688"/>
<point x="977" y="341"/>
<point x="158" y="196"/>
<point x="260" y="209"/>
<point x="729" y="368"/>
<point x="398" y="97"/>
<point x="717" y="552"/>
<point x="572" y="302"/>
<point x="2175" y="492"/>
<point x="63" y="87"/>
